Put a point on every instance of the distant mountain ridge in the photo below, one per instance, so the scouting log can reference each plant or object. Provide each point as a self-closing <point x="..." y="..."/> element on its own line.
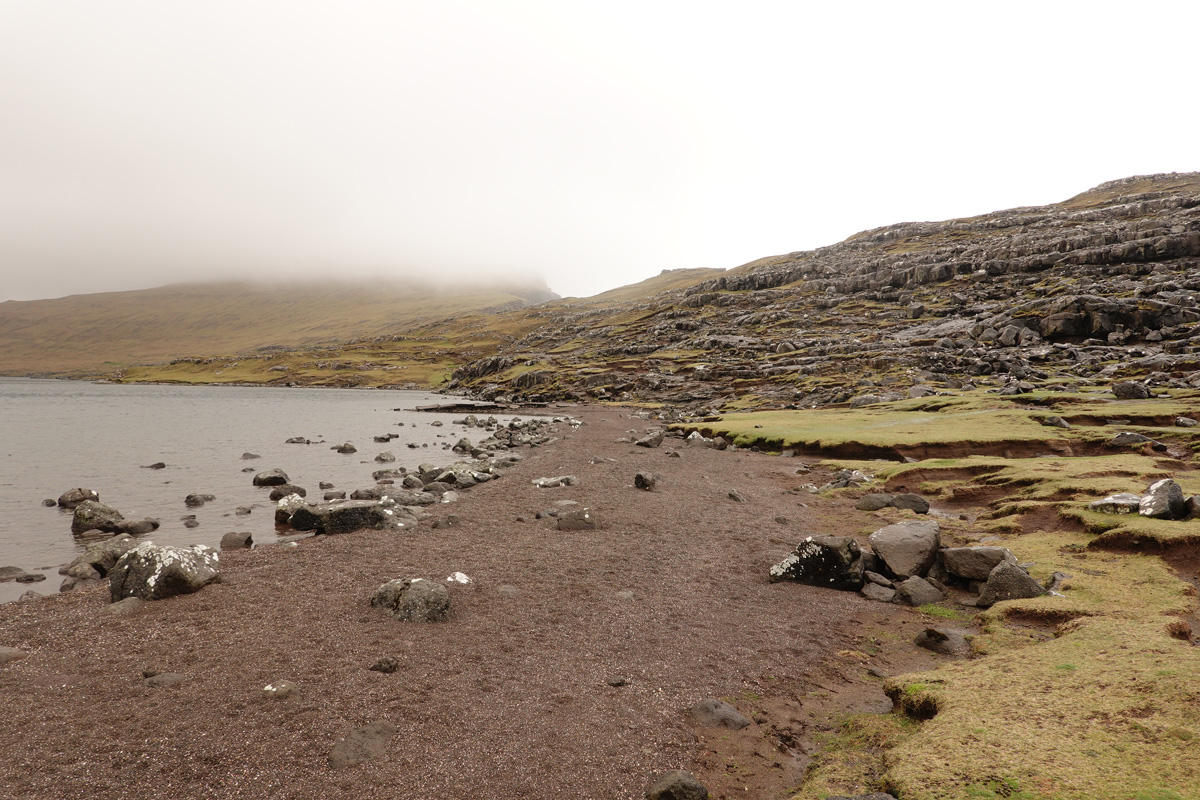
<point x="94" y="332"/>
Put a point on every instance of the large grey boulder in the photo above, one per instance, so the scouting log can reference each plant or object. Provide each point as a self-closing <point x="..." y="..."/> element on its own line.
<point x="974" y="563"/>
<point x="1007" y="581"/>
<point x="916" y="591"/>
<point x="1130" y="390"/>
<point x="907" y="548"/>
<point x="677" y="785"/>
<point x="91" y="515"/>
<point x="1164" y="500"/>
<point x="99" y="559"/>
<point x="413" y="600"/>
<point x="154" y="572"/>
<point x="714" y="713"/>
<point x="73" y="497"/>
<point x="346" y="516"/>
<point x="1120" y="503"/>
<point x="874" y="502"/>
<point x="832" y="561"/>
<point x="272" y="477"/>
<point x="913" y="502"/>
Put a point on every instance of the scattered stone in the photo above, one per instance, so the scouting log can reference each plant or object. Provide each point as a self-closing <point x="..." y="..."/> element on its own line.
<point x="29" y="596"/>
<point x="1185" y="422"/>
<point x="346" y="516"/>
<point x="92" y="515"/>
<point x="448" y="521"/>
<point x="1130" y="390"/>
<point x="387" y="665"/>
<point x="413" y="600"/>
<point x="1128" y="438"/>
<point x="1121" y="503"/>
<point x="73" y="497"/>
<point x="677" y="785"/>
<point x="582" y="519"/>
<point x="190" y="521"/>
<point x="386" y="457"/>
<point x="125" y="608"/>
<point x="909" y="547"/>
<point x="975" y="563"/>
<point x="197" y="500"/>
<point x="345" y="449"/>
<point x="242" y="511"/>
<point x="883" y="594"/>
<point x="832" y="561"/>
<point x="137" y="527"/>
<point x="49" y="502"/>
<point x="1007" y="581"/>
<point x="714" y="713"/>
<point x="99" y="559"/>
<point x="11" y="654"/>
<point x="617" y="681"/>
<point x="736" y="496"/>
<point x="458" y="577"/>
<point x="154" y="572"/>
<point x="873" y="502"/>
<point x="913" y="502"/>
<point x="273" y="477"/>
<point x="1164" y="500"/>
<point x="155" y="465"/>
<point x="297" y="440"/>
<point x="164" y="679"/>
<point x="653" y="440"/>
<point x="19" y="575"/>
<point x="362" y="745"/>
<point x="916" y="591"/>
<point x="280" y="689"/>
<point x="284" y="489"/>
<point x="947" y="643"/>
<point x="250" y="456"/>
<point x="1056" y="422"/>
<point x="552" y="483"/>
<point x="237" y="540"/>
<point x="645" y="481"/>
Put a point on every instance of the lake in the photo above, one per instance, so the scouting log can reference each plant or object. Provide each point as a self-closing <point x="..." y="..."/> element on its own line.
<point x="57" y="435"/>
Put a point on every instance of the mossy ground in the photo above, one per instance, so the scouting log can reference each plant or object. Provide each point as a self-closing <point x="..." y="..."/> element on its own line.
<point x="1083" y="694"/>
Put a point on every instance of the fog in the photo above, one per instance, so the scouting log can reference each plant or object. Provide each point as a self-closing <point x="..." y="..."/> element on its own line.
<point x="592" y="144"/>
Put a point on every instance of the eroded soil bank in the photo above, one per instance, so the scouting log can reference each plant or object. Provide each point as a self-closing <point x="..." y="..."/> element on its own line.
<point x="514" y="696"/>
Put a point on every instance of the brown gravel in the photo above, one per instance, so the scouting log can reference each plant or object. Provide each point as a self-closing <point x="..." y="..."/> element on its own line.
<point x="509" y="699"/>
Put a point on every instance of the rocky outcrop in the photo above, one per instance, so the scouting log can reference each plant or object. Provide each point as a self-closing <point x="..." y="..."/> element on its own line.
<point x="155" y="572"/>
<point x="413" y="600"/>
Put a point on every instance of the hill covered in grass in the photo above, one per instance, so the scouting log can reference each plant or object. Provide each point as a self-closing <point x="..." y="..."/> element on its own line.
<point x="98" y="333"/>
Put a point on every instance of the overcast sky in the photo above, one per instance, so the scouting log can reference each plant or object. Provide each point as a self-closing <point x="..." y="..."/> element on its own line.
<point x="145" y="142"/>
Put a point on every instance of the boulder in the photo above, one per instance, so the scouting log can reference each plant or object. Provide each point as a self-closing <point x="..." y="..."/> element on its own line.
<point x="155" y="572"/>
<point x="272" y="477"/>
<point x="645" y="481"/>
<point x="947" y="643"/>
<point x="197" y="500"/>
<point x="913" y="502"/>
<point x="1120" y="503"/>
<point x="100" y="557"/>
<point x="345" y="449"/>
<point x="873" y="502"/>
<point x="284" y="489"/>
<point x="413" y="600"/>
<point x="883" y="594"/>
<point x="907" y="548"/>
<point x="386" y="457"/>
<point x="714" y="713"/>
<point x="237" y="540"/>
<point x="136" y="527"/>
<point x="1007" y="581"/>
<point x="1130" y="390"/>
<point x="352" y="515"/>
<point x="832" y="561"/>
<point x="286" y="507"/>
<point x="74" y="497"/>
<point x="91" y="515"/>
<point x="1126" y="438"/>
<point x="974" y="563"/>
<point x="1164" y="500"/>
<point x="653" y="440"/>
<point x="677" y="785"/>
<point x="916" y="591"/>
<point x="581" y="519"/>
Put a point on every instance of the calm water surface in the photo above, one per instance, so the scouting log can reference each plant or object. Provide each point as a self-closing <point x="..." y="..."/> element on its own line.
<point x="56" y="435"/>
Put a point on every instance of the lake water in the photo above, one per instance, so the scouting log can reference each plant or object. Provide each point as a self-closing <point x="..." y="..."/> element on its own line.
<point x="57" y="435"/>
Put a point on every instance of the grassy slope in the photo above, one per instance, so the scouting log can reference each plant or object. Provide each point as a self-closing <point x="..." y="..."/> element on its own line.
<point x="85" y="332"/>
<point x="1104" y="707"/>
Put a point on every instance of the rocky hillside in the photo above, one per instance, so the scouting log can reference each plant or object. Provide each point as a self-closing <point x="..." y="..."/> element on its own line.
<point x="1098" y="286"/>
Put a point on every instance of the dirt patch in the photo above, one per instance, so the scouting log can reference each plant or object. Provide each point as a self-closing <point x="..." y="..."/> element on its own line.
<point x="565" y="671"/>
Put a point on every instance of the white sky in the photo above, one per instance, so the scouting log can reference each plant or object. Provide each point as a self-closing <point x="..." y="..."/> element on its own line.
<point x="145" y="142"/>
